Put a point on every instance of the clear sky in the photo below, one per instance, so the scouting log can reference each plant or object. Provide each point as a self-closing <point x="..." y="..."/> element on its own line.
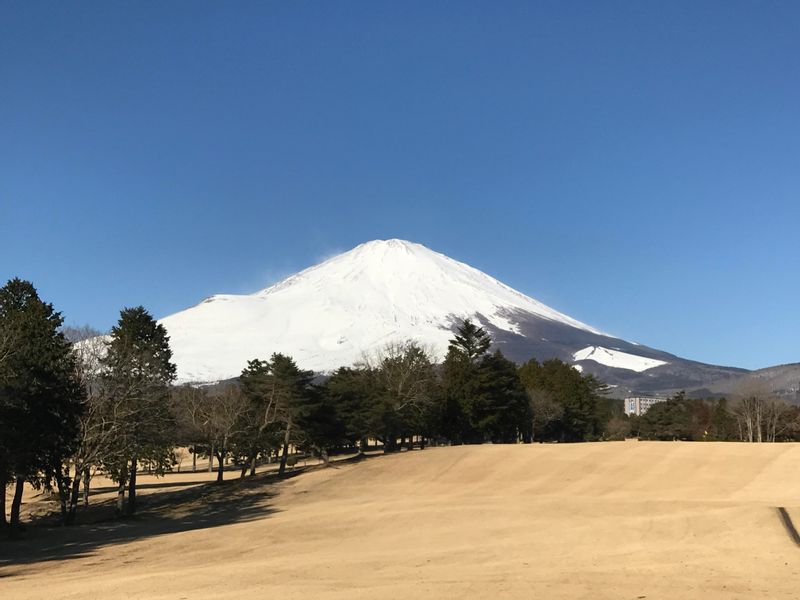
<point x="633" y="164"/>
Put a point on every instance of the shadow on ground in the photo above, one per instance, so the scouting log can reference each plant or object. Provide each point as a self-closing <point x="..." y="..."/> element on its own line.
<point x="199" y="507"/>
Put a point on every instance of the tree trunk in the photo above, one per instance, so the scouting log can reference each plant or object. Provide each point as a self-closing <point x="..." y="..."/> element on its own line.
<point x="16" y="502"/>
<point x="3" y="520"/>
<point x="285" y="453"/>
<point x="759" y="425"/>
<point x="194" y="459"/>
<point x="87" y="477"/>
<point x="74" y="497"/>
<point x="132" y="489"/>
<point x="120" y="498"/>
<point x="63" y="493"/>
<point x="220" y="466"/>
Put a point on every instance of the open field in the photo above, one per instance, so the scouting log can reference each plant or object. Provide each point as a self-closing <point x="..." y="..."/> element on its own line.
<point x="602" y="520"/>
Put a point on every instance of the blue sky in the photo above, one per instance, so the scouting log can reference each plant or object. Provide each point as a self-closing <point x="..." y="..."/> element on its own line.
<point x="633" y="164"/>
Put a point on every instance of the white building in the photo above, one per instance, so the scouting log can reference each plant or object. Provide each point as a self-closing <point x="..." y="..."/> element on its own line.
<point x="638" y="405"/>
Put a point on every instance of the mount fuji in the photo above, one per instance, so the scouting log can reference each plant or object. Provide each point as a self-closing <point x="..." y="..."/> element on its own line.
<point x="384" y="291"/>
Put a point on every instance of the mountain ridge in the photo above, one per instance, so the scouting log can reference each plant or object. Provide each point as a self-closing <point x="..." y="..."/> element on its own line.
<point x="333" y="313"/>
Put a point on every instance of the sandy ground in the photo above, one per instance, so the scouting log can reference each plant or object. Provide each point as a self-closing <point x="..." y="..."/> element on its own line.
<point x="606" y="520"/>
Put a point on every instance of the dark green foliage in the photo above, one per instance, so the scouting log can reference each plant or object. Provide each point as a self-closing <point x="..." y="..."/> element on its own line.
<point x="41" y="399"/>
<point x="682" y="418"/>
<point x="470" y="342"/>
<point x="461" y="394"/>
<point x="284" y="408"/>
<point x="584" y="410"/>
<point x="319" y="428"/>
<point x="138" y="371"/>
<point x="723" y="423"/>
<point x="500" y="411"/>
<point x="481" y="397"/>
<point x="354" y="394"/>
<point x="670" y="420"/>
<point x="394" y="397"/>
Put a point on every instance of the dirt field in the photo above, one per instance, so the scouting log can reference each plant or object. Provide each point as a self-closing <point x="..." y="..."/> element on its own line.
<point x="608" y="520"/>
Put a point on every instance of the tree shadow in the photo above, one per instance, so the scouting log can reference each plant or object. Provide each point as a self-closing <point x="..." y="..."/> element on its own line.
<point x="202" y="506"/>
<point x="99" y="490"/>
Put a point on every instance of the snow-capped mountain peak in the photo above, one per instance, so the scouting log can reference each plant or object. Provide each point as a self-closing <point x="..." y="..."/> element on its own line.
<point x="330" y="314"/>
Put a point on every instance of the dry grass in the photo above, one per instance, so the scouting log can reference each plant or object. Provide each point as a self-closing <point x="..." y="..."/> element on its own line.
<point x="610" y="520"/>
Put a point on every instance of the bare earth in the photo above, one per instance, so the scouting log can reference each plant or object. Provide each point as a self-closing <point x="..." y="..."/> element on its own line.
<point x="604" y="520"/>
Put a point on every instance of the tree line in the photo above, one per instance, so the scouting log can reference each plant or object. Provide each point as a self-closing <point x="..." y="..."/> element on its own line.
<point x="108" y="403"/>
<point x="754" y="415"/>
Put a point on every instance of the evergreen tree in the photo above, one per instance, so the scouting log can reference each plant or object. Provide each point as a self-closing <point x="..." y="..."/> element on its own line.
<point x="41" y="400"/>
<point x="138" y="373"/>
<point x="457" y="394"/>
<point x="670" y="420"/>
<point x="296" y="400"/>
<point x="482" y="398"/>
<point x="261" y="431"/>
<point x="319" y="427"/>
<point x="501" y="413"/>
<point x="584" y="410"/>
<point x="723" y="424"/>
<point x="354" y="392"/>
<point x="460" y="394"/>
<point x="281" y="396"/>
<point x="470" y="342"/>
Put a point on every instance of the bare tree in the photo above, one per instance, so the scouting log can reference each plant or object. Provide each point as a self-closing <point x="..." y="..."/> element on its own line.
<point x="214" y="419"/>
<point x="97" y="422"/>
<point x="404" y="373"/>
<point x="774" y="425"/>
<point x="263" y="413"/>
<point x="758" y="413"/>
<point x="545" y="410"/>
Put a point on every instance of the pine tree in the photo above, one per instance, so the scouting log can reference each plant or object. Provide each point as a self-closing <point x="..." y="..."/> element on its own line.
<point x="41" y="400"/>
<point x="470" y="342"/>
<point x="460" y="387"/>
<point x="670" y="420"/>
<point x="292" y="388"/>
<point x="260" y="432"/>
<point x="501" y="412"/>
<point x="722" y="422"/>
<point x="280" y="396"/>
<point x="583" y="409"/>
<point x="138" y="373"/>
<point x="319" y="428"/>
<point x="354" y="391"/>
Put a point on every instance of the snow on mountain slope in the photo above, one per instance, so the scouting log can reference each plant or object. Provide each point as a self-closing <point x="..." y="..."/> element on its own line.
<point x="330" y="314"/>
<point x="617" y="359"/>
